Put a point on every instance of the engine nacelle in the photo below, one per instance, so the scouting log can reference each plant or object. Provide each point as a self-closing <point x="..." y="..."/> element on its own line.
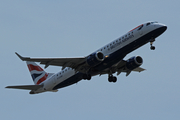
<point x="95" y="59"/>
<point x="134" y="62"/>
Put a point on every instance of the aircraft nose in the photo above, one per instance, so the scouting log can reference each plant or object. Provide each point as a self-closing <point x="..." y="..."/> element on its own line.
<point x="164" y="28"/>
<point x="160" y="28"/>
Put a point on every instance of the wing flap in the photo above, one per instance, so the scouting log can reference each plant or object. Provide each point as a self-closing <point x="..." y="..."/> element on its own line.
<point x="26" y="87"/>
<point x="139" y="69"/>
<point x="121" y="67"/>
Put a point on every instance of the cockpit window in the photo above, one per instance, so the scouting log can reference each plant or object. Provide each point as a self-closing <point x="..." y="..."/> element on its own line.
<point x="154" y="22"/>
<point x="148" y="23"/>
<point x="151" y="23"/>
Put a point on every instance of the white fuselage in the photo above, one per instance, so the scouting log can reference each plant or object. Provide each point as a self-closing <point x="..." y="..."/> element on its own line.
<point x="108" y="49"/>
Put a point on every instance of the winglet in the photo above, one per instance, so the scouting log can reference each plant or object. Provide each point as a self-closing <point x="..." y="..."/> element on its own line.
<point x="22" y="58"/>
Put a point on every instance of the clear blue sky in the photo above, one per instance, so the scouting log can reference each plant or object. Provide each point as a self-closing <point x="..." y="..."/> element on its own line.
<point x="59" y="28"/>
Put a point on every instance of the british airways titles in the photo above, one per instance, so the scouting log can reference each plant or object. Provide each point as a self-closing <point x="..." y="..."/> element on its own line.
<point x="121" y="40"/>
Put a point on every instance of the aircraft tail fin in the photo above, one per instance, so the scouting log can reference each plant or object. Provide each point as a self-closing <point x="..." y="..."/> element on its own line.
<point x="37" y="73"/>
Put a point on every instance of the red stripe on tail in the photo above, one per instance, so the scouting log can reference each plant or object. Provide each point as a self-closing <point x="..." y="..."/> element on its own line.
<point x="42" y="79"/>
<point x="32" y="67"/>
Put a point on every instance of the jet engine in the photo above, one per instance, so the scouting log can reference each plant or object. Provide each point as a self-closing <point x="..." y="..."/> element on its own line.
<point x="95" y="59"/>
<point x="134" y="62"/>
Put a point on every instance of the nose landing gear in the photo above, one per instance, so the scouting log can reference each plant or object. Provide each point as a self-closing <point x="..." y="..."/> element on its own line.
<point x="152" y="47"/>
<point x="151" y="43"/>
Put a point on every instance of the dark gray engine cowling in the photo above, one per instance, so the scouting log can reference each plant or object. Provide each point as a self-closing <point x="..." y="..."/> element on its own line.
<point x="134" y="62"/>
<point x="95" y="59"/>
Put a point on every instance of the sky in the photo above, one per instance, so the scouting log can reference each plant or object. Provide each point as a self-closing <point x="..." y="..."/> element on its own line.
<point x="59" y="28"/>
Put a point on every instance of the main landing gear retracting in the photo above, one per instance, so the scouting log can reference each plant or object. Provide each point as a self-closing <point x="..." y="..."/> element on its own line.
<point x="112" y="78"/>
<point x="87" y="77"/>
<point x="151" y="43"/>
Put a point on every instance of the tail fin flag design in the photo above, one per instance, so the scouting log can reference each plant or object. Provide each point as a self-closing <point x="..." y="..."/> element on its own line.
<point x="37" y="73"/>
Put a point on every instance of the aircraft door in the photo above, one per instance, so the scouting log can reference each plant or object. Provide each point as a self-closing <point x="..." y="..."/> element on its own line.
<point x="140" y="30"/>
<point x="54" y="79"/>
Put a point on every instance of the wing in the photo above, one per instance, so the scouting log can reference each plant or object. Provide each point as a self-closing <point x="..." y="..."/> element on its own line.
<point x="75" y="63"/>
<point x="26" y="87"/>
<point x="121" y="67"/>
<point x="139" y="69"/>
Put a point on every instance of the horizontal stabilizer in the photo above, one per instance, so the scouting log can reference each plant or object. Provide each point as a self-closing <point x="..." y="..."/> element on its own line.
<point x="26" y="87"/>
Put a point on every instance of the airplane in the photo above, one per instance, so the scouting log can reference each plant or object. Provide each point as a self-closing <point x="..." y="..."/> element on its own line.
<point x="106" y="60"/>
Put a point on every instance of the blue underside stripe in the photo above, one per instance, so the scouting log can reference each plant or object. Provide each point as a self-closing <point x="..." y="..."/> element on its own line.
<point x="113" y="58"/>
<point x="34" y="76"/>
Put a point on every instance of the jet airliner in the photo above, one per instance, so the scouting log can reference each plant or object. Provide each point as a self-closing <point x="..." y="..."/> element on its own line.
<point x="106" y="60"/>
